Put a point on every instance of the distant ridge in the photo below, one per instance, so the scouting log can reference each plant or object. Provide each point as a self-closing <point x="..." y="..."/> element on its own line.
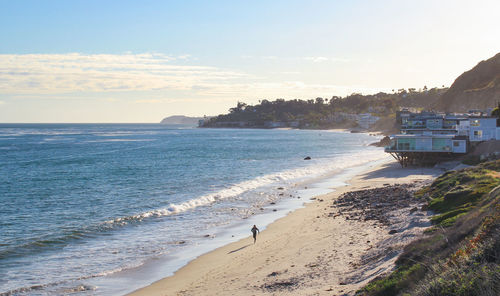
<point x="181" y="119"/>
<point x="478" y="88"/>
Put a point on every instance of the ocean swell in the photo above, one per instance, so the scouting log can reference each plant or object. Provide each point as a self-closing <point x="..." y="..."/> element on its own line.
<point x="316" y="169"/>
<point x="285" y="178"/>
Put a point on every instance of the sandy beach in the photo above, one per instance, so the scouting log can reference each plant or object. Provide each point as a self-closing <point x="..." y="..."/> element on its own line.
<point x="315" y="250"/>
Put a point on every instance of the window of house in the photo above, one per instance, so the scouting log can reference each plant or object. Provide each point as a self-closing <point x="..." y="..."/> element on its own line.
<point x="403" y="146"/>
<point x="456" y="144"/>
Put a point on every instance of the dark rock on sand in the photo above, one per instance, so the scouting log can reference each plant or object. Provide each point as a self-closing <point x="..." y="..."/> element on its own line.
<point x="307" y="158"/>
<point x="276" y="286"/>
<point x="386" y="141"/>
<point x="374" y="204"/>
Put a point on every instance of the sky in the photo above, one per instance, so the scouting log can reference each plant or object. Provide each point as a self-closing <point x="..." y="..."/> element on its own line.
<point x="140" y="61"/>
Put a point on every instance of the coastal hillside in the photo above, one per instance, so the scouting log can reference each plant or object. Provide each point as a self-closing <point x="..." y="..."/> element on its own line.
<point x="323" y="113"/>
<point x="460" y="254"/>
<point x="478" y="88"/>
<point x="181" y="119"/>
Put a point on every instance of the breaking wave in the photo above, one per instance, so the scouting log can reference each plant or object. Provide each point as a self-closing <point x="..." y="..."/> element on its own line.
<point x="317" y="169"/>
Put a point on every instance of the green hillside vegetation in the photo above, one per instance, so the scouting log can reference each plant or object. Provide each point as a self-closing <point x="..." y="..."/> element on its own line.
<point x="327" y="113"/>
<point x="460" y="254"/>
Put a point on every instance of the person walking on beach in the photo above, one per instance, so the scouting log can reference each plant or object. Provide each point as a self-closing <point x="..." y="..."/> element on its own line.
<point x="254" y="231"/>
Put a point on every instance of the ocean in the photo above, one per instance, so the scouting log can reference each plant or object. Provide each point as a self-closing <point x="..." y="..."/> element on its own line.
<point x="103" y="209"/>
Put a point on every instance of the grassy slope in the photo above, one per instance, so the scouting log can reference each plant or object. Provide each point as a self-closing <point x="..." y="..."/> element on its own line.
<point x="460" y="254"/>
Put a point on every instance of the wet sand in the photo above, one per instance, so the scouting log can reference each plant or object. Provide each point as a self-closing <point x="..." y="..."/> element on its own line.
<point x="325" y="248"/>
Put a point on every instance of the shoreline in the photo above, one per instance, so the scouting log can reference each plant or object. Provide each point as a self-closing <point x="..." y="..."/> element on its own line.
<point x="339" y="129"/>
<point x="149" y="252"/>
<point x="297" y="252"/>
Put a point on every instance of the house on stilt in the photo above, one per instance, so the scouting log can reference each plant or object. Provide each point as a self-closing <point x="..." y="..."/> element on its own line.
<point x="429" y="137"/>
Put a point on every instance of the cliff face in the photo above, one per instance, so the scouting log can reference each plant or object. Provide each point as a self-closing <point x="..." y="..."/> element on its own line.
<point x="478" y="88"/>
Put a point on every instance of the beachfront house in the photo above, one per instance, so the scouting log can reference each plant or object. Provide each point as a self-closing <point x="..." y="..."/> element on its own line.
<point x="427" y="143"/>
<point x="366" y="120"/>
<point x="429" y="136"/>
<point x="275" y="124"/>
<point x="431" y="124"/>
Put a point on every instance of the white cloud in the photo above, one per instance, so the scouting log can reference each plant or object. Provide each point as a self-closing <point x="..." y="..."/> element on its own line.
<point x="325" y="59"/>
<point x="281" y="89"/>
<point x="316" y="59"/>
<point x="294" y="84"/>
<point x="289" y="72"/>
<point x="148" y="77"/>
<point x="75" y="72"/>
<point x="149" y="101"/>
<point x="184" y="57"/>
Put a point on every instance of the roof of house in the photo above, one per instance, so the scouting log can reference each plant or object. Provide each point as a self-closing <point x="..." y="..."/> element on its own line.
<point x="423" y="136"/>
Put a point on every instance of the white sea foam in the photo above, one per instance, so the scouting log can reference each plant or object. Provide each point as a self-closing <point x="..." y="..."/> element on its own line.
<point x="115" y="134"/>
<point x="62" y="158"/>
<point x="119" y="140"/>
<point x="130" y="133"/>
<point x="29" y="132"/>
<point x="316" y="169"/>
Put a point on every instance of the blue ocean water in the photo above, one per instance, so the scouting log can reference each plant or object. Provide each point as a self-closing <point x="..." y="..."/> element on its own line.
<point x="81" y="202"/>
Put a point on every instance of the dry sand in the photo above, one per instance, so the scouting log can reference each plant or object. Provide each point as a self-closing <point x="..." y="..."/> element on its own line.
<point x="308" y="252"/>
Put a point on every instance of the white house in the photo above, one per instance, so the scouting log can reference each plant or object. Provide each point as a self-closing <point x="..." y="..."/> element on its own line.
<point x="274" y="124"/>
<point x="365" y="120"/>
<point x="482" y="129"/>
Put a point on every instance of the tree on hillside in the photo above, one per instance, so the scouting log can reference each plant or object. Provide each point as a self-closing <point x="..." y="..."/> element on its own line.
<point x="496" y="111"/>
<point x="240" y="106"/>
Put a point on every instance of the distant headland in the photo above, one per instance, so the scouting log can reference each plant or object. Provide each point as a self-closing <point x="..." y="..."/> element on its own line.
<point x="181" y="119"/>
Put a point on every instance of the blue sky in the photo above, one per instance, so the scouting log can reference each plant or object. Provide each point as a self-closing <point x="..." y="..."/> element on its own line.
<point x="139" y="61"/>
